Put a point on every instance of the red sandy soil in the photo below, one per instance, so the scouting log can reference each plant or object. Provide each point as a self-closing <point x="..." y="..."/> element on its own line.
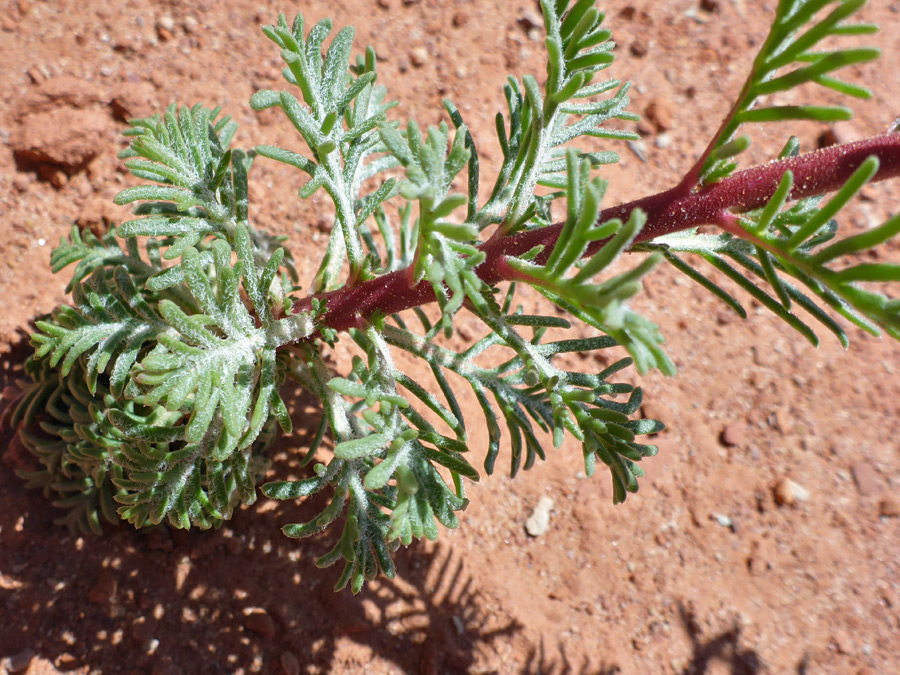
<point x="701" y="572"/>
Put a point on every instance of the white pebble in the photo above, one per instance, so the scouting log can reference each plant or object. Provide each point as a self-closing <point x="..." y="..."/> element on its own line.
<point x="787" y="492"/>
<point x="722" y="520"/>
<point x="539" y="522"/>
<point x="419" y="56"/>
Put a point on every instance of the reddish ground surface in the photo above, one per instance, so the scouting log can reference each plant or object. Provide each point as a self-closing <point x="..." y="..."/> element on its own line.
<point x="662" y="584"/>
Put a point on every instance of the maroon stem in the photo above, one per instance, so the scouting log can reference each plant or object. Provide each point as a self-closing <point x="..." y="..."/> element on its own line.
<point x="667" y="212"/>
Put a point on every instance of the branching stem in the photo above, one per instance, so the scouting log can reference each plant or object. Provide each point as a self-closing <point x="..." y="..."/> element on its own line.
<point x="667" y="212"/>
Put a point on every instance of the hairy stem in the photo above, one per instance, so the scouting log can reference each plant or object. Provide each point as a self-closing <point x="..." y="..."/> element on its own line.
<point x="667" y="212"/>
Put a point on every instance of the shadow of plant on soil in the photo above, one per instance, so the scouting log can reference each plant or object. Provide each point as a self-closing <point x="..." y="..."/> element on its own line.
<point x="724" y="648"/>
<point x="170" y="601"/>
<point x="540" y="663"/>
<point x="175" y="601"/>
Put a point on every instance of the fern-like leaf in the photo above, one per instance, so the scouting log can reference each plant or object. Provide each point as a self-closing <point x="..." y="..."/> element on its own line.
<point x="337" y="120"/>
<point x="111" y="321"/>
<point x="788" y="59"/>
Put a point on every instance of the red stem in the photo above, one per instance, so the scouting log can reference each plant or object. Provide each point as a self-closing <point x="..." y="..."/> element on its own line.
<point x="667" y="212"/>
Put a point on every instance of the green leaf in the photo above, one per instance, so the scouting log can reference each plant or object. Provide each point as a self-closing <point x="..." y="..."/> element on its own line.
<point x="362" y="447"/>
<point x="293" y="489"/>
<point x="788" y="59"/>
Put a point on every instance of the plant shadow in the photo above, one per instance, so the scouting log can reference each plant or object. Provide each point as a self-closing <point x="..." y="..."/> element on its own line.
<point x="724" y="648"/>
<point x="539" y="662"/>
<point x="243" y="598"/>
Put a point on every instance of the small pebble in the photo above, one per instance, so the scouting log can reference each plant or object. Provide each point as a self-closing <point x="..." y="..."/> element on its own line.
<point x="460" y="19"/>
<point x="734" y="434"/>
<point x="842" y="642"/>
<point x="65" y="661"/>
<point x="18" y="663"/>
<point x="638" y="48"/>
<point x="783" y="420"/>
<point x="261" y="623"/>
<point x="190" y="24"/>
<point x="723" y="520"/>
<point x="663" y="141"/>
<point x="531" y="19"/>
<point x="290" y="664"/>
<point x="419" y="56"/>
<point x="104" y="589"/>
<point x="539" y="522"/>
<point x="37" y="74"/>
<point x="659" y="113"/>
<point x="788" y="493"/>
<point x="867" y="480"/>
<point x="889" y="506"/>
<point x="22" y="181"/>
<point x="638" y="148"/>
<point x="164" y="27"/>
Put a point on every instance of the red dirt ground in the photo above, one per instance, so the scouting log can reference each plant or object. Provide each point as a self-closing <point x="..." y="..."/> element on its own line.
<point x="658" y="585"/>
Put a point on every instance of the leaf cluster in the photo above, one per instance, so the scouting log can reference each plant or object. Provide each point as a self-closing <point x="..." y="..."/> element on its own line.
<point x="169" y="371"/>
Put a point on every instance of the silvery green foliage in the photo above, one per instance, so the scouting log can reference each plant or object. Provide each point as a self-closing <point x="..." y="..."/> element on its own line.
<point x="798" y="241"/>
<point x="539" y="123"/>
<point x="100" y="467"/>
<point x="176" y="377"/>
<point x="161" y="381"/>
<point x="337" y="121"/>
<point x="384" y="475"/>
<point x="788" y="59"/>
<point x="793" y="238"/>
